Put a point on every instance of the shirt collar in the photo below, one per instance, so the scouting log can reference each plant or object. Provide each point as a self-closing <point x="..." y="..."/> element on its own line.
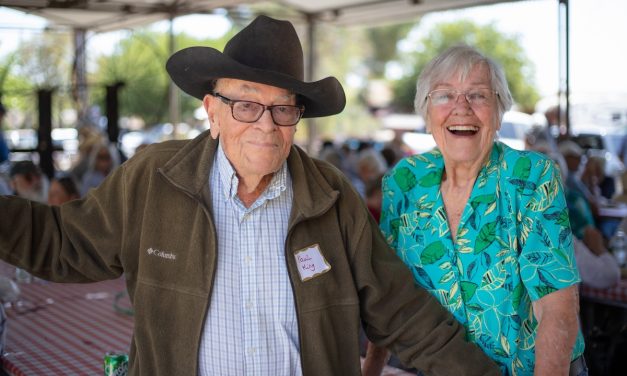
<point x="230" y="181"/>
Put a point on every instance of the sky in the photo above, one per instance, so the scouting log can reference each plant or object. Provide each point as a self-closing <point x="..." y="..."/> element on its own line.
<point x="598" y="28"/>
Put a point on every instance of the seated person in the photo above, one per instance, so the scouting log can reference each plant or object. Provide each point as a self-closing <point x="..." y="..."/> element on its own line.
<point x="595" y="179"/>
<point x="622" y="197"/>
<point x="580" y="209"/>
<point x="62" y="190"/>
<point x="27" y="181"/>
<point x="597" y="267"/>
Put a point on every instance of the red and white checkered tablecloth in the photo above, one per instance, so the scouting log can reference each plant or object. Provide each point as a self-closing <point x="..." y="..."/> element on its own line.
<point x="66" y="329"/>
<point x="616" y="296"/>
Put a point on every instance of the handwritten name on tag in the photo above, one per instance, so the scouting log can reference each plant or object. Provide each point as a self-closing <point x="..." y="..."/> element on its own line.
<point x="311" y="263"/>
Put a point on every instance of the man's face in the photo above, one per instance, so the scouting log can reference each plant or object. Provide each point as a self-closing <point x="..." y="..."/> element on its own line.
<point x="29" y="186"/>
<point x="254" y="149"/>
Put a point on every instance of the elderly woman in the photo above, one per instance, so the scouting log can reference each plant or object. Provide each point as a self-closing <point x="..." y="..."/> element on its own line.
<point x="485" y="227"/>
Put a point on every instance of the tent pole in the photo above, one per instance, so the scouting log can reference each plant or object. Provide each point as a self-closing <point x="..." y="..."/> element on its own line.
<point x="173" y="95"/>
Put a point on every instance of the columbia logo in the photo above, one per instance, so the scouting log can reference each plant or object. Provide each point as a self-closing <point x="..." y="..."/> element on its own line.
<point x="158" y="253"/>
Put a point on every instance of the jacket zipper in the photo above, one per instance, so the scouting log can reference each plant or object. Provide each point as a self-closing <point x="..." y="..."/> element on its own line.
<point x="213" y="272"/>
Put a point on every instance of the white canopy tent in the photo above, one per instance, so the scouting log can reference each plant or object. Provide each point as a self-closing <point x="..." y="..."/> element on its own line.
<point x="108" y="15"/>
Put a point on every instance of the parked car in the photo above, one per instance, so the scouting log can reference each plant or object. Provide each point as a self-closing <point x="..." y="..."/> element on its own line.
<point x="514" y="128"/>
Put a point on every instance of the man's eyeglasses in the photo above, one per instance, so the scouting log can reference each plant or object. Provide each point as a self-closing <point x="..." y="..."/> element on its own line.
<point x="249" y="112"/>
<point x="448" y="97"/>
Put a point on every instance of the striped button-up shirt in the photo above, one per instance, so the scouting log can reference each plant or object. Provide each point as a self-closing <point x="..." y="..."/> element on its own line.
<point x="251" y="326"/>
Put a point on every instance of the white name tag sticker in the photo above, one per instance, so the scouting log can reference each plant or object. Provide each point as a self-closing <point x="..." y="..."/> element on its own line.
<point x="311" y="263"/>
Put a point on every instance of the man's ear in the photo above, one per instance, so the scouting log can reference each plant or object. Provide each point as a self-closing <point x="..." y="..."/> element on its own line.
<point x="209" y="104"/>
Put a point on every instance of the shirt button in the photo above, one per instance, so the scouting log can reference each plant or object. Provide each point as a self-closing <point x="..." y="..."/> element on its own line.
<point x="247" y="260"/>
<point x="249" y="304"/>
<point x="252" y="350"/>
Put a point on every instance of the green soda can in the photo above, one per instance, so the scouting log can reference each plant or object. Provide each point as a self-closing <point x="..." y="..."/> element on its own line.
<point x="115" y="364"/>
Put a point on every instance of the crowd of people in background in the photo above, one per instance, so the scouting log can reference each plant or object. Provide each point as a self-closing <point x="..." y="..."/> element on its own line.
<point x="24" y="178"/>
<point x="586" y="188"/>
<point x="365" y="162"/>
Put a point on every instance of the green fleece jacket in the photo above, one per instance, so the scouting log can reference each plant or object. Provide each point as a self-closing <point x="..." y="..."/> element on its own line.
<point x="151" y="221"/>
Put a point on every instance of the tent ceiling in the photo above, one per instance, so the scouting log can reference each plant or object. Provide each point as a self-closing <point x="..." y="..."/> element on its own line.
<point x="108" y="15"/>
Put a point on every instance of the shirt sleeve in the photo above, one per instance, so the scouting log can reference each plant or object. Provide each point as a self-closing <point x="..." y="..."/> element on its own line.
<point x="546" y="259"/>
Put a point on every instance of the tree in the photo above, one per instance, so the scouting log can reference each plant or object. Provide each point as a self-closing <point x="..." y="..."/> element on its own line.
<point x="355" y="56"/>
<point x="42" y="62"/>
<point x="383" y="41"/>
<point x="139" y="62"/>
<point x="504" y="49"/>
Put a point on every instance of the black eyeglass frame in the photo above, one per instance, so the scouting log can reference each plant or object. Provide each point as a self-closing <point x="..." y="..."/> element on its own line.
<point x="231" y="103"/>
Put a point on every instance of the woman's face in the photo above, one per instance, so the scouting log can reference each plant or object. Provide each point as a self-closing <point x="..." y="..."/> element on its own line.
<point x="104" y="163"/>
<point x="465" y="132"/>
<point x="57" y="195"/>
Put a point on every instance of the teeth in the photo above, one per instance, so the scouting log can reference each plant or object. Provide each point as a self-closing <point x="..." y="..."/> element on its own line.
<point x="463" y="128"/>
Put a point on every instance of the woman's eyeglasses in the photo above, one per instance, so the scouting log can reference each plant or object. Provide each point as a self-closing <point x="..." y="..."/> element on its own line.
<point x="475" y="97"/>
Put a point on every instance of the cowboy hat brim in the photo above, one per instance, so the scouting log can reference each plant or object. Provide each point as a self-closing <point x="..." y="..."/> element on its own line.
<point x="194" y="69"/>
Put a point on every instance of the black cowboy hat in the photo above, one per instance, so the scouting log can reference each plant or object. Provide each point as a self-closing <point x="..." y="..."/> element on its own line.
<point x="267" y="51"/>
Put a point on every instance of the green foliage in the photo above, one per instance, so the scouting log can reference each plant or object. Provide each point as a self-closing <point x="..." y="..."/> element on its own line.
<point x="41" y="62"/>
<point x="383" y="41"/>
<point x="342" y="53"/>
<point x="139" y="63"/>
<point x="46" y="60"/>
<point x="505" y="49"/>
<point x="353" y="55"/>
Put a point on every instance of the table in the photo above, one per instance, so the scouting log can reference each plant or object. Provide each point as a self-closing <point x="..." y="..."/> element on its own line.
<point x="66" y="329"/>
<point x="613" y="211"/>
<point x="614" y="296"/>
<point x="604" y="323"/>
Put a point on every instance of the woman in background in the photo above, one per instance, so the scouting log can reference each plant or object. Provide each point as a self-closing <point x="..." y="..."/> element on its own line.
<point x="62" y="190"/>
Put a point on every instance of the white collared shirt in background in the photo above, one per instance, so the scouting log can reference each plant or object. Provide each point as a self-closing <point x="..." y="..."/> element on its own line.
<point x="251" y="326"/>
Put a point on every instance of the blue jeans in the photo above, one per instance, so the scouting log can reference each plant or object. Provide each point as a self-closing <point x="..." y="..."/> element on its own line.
<point x="582" y="368"/>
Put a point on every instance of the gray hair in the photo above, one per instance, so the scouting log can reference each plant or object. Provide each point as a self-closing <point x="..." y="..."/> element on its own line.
<point x="460" y="59"/>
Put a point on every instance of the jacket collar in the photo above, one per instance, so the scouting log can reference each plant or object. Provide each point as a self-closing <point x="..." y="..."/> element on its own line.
<point x="313" y="195"/>
<point x="189" y="170"/>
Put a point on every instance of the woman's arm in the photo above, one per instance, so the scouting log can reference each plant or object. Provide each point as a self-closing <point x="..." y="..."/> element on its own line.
<point x="376" y="359"/>
<point x="558" y="325"/>
<point x="597" y="267"/>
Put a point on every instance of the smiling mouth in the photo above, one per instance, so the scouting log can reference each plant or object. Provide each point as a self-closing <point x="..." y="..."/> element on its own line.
<point x="463" y="130"/>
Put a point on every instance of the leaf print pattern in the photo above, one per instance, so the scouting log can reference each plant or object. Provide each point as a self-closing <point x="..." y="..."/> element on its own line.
<point x="485" y="237"/>
<point x="405" y="179"/>
<point x="544" y="196"/>
<point x="432" y="253"/>
<point x="513" y="246"/>
<point x="431" y="179"/>
<point x="522" y="168"/>
<point x="468" y="290"/>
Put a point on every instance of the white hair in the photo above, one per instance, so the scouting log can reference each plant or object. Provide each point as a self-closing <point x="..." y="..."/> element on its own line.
<point x="460" y="59"/>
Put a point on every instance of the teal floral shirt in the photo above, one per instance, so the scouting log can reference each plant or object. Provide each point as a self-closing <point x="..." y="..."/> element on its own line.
<point x="513" y="246"/>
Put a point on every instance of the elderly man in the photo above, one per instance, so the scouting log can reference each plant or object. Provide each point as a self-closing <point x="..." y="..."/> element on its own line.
<point x="28" y="181"/>
<point x="242" y="255"/>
